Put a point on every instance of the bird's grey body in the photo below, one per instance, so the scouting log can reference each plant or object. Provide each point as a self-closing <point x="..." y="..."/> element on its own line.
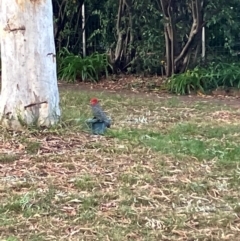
<point x="100" y="115"/>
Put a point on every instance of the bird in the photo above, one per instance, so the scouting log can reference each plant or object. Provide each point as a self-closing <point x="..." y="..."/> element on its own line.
<point x="98" y="113"/>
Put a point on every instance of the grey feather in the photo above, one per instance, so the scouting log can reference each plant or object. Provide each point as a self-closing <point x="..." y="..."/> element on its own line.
<point x="100" y="115"/>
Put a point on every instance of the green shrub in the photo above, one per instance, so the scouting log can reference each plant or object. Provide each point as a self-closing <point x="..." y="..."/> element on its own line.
<point x="191" y="80"/>
<point x="226" y="74"/>
<point x="72" y="67"/>
<point x="204" y="79"/>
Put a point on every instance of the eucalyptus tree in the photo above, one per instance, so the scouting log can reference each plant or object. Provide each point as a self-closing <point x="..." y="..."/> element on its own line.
<point x="29" y="91"/>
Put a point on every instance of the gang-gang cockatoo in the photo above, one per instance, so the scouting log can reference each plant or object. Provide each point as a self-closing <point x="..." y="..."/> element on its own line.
<point x="98" y="113"/>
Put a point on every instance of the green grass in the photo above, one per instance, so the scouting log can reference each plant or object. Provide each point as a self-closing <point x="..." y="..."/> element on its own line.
<point x="201" y="141"/>
<point x="166" y="170"/>
<point x="4" y="158"/>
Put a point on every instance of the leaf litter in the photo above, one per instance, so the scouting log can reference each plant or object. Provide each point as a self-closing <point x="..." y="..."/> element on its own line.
<point x="76" y="186"/>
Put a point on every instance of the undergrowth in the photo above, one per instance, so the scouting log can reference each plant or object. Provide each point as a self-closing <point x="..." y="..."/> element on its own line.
<point x="75" y="67"/>
<point x="205" y="79"/>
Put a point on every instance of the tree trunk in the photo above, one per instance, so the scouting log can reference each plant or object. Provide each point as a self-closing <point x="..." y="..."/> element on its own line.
<point x="178" y="60"/>
<point x="124" y="51"/>
<point x="29" y="91"/>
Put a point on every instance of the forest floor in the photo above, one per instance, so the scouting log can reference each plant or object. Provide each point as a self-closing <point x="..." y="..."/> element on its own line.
<point x="168" y="169"/>
<point x="152" y="88"/>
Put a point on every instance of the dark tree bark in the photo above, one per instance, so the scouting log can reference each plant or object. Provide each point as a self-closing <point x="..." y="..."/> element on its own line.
<point x="121" y="56"/>
<point x="178" y="60"/>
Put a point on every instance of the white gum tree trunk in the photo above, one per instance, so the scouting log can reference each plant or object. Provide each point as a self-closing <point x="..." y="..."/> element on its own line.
<point x="29" y="91"/>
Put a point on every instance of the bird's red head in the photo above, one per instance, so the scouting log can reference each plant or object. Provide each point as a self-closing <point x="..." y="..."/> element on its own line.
<point x="93" y="101"/>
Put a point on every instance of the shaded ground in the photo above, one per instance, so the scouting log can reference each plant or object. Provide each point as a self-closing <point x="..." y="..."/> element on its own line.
<point x="137" y="87"/>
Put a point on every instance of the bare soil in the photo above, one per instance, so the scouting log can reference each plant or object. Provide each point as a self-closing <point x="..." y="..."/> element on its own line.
<point x="137" y="87"/>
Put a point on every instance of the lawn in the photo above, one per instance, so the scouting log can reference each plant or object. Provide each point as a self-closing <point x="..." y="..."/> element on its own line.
<point x="166" y="170"/>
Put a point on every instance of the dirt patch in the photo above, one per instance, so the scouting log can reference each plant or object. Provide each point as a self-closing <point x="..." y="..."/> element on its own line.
<point x="131" y="88"/>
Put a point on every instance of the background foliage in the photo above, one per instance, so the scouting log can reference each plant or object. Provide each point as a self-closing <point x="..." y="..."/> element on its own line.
<point x="154" y="37"/>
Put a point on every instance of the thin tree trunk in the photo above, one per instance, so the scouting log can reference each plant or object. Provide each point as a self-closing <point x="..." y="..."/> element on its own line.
<point x="177" y="61"/>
